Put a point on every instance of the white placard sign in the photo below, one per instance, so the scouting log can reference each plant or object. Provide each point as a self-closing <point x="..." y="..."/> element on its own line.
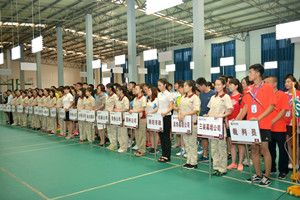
<point x="53" y="112"/>
<point x="30" y="109"/>
<point x="118" y="70"/>
<point x="41" y="111"/>
<point x="209" y="127"/>
<point x="62" y="113"/>
<point x="90" y="116"/>
<point x="13" y="108"/>
<point x="26" y="66"/>
<point x="142" y="71"/>
<point x="155" y="122"/>
<point x="46" y="112"/>
<point x="116" y="118"/>
<point x="102" y="117"/>
<point x="245" y="132"/>
<point x="73" y="114"/>
<point x="36" y="110"/>
<point x="81" y="115"/>
<point x="19" y="108"/>
<point x="26" y="110"/>
<point x="8" y="108"/>
<point x="131" y="120"/>
<point x="182" y="127"/>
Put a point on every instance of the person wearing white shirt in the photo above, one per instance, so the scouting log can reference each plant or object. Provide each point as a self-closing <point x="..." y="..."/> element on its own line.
<point x="68" y="103"/>
<point x="165" y="106"/>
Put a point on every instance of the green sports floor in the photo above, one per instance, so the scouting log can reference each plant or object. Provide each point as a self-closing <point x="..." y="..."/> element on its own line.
<point x="34" y="165"/>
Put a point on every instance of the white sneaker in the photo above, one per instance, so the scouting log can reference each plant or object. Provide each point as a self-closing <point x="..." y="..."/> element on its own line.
<point x="181" y="152"/>
<point x="245" y="162"/>
<point x="200" y="151"/>
<point x="122" y="151"/>
<point x="135" y="147"/>
<point x="290" y="166"/>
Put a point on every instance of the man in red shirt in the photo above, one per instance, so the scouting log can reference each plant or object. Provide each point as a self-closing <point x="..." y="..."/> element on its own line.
<point x="259" y="103"/>
<point x="278" y="129"/>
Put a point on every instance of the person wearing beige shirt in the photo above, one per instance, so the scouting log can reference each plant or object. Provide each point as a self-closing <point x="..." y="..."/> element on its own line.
<point x="122" y="105"/>
<point x="220" y="107"/>
<point x="16" y="103"/>
<point x="80" y="106"/>
<point x="190" y="105"/>
<point x="35" y="121"/>
<point x="89" y="104"/>
<point x="23" y="116"/>
<point x="59" y="104"/>
<point x="51" y="121"/>
<point x="45" y="100"/>
<point x="29" y="102"/>
<point x="40" y="104"/>
<point x="111" y="100"/>
<point x="139" y="106"/>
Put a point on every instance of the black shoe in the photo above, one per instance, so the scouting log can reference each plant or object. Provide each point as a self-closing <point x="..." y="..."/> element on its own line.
<point x="282" y="176"/>
<point x="186" y="166"/>
<point x="191" y="167"/>
<point x="265" y="182"/>
<point x="228" y="156"/>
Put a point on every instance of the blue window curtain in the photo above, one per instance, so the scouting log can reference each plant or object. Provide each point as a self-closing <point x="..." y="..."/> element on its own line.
<point x="281" y="51"/>
<point x="220" y="50"/>
<point x="125" y="70"/>
<point x="153" y="72"/>
<point x="182" y="59"/>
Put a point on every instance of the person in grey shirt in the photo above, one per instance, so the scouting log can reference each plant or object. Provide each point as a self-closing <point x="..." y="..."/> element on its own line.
<point x="100" y="105"/>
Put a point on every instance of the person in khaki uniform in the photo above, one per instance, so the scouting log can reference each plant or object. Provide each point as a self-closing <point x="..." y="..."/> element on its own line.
<point x="12" y="103"/>
<point x="80" y="106"/>
<point x="100" y="105"/>
<point x="23" y="116"/>
<point x="45" y="102"/>
<point x="51" y="121"/>
<point x="190" y="105"/>
<point x="122" y="105"/>
<point x="35" y="120"/>
<point x="220" y="107"/>
<point x="139" y="106"/>
<point x="111" y="100"/>
<point x="59" y="104"/>
<point x="16" y="115"/>
<point x="29" y="102"/>
<point x="40" y="104"/>
<point x="89" y="104"/>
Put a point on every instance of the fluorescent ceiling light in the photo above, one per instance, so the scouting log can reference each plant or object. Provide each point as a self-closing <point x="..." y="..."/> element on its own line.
<point x="170" y="68"/>
<point x="215" y="70"/>
<point x="150" y="54"/>
<point x="153" y="6"/>
<point x="227" y="61"/>
<point x="37" y="44"/>
<point x="271" y="65"/>
<point x="16" y="53"/>
<point x="120" y="60"/>
<point x="192" y="65"/>
<point x="288" y="30"/>
<point x="240" y="68"/>
<point x="96" y="64"/>
<point x="1" y="59"/>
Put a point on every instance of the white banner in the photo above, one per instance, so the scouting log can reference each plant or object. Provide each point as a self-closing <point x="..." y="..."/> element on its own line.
<point x="8" y="108"/>
<point x="13" y="108"/>
<point x="46" y="112"/>
<point x="131" y="120"/>
<point x="26" y="110"/>
<point x="81" y="115"/>
<point x="90" y="116"/>
<point x="209" y="127"/>
<point x="116" y="118"/>
<point x="36" y="110"/>
<point x="182" y="127"/>
<point x="19" y="108"/>
<point x="245" y="132"/>
<point x="53" y="112"/>
<point x="102" y="117"/>
<point x="73" y="114"/>
<point x="155" y="123"/>
<point x="41" y="111"/>
<point x="62" y="113"/>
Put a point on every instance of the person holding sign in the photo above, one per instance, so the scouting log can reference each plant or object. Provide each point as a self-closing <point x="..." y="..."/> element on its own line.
<point x="16" y="102"/>
<point x="67" y="104"/>
<point x="152" y="108"/>
<point x="259" y="103"/>
<point x="59" y="104"/>
<point x="236" y="90"/>
<point x="40" y="104"/>
<point x="29" y="102"/>
<point x="45" y="99"/>
<point x="80" y="106"/>
<point x="139" y="106"/>
<point x="35" y="121"/>
<point x="122" y="105"/>
<point x="278" y="129"/>
<point x="289" y="80"/>
<point x="165" y="106"/>
<point x="190" y="105"/>
<point x="220" y="107"/>
<point x="23" y="116"/>
<point x="100" y="105"/>
<point x="111" y="100"/>
<point x="89" y="104"/>
<point x="51" y="121"/>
